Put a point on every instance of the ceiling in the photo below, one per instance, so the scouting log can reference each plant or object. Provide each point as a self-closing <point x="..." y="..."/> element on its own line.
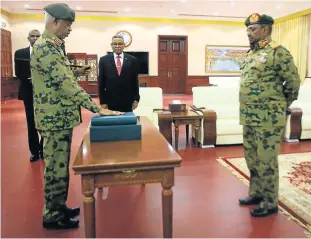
<point x="236" y="10"/>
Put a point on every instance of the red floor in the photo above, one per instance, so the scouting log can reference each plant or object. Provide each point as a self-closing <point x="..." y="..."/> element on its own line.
<point x="205" y="194"/>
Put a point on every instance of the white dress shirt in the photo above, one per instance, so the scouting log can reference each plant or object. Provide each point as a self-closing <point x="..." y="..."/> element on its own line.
<point x="121" y="59"/>
<point x="30" y="49"/>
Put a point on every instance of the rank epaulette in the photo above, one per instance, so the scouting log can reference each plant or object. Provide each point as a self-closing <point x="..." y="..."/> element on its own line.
<point x="57" y="41"/>
<point x="274" y="45"/>
<point x="262" y="43"/>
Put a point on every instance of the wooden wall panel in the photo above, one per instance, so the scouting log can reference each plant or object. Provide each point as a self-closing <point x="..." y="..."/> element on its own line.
<point x="193" y="81"/>
<point x="9" y="88"/>
<point x="148" y="81"/>
<point x="153" y="81"/>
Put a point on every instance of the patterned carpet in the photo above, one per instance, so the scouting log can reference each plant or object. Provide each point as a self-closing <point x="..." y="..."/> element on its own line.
<point x="295" y="184"/>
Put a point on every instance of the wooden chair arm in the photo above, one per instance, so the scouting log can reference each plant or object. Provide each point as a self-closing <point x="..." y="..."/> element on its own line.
<point x="295" y="122"/>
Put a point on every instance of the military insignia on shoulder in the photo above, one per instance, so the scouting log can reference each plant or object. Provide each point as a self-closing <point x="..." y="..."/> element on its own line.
<point x="262" y="43"/>
<point x="57" y="41"/>
<point x="254" y="18"/>
<point x="273" y="44"/>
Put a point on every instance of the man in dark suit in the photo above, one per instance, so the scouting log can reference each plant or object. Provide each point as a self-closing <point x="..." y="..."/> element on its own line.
<point x="118" y="79"/>
<point x="22" y="71"/>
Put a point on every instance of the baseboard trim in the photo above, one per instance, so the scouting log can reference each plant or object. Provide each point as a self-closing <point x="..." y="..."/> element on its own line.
<point x="207" y="146"/>
<point x="291" y="140"/>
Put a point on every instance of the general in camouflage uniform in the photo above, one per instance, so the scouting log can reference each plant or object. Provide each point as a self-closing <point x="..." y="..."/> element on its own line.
<point x="269" y="84"/>
<point x="57" y="100"/>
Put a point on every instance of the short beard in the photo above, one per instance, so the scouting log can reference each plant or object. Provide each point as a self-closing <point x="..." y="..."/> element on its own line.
<point x="253" y="44"/>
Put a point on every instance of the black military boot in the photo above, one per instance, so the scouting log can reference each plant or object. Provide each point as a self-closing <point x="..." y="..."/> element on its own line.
<point x="250" y="200"/>
<point x="64" y="223"/>
<point x="71" y="212"/>
<point x="263" y="212"/>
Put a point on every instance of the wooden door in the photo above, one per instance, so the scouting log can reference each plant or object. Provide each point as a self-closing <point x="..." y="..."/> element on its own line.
<point x="9" y="87"/>
<point x="6" y="55"/>
<point x="172" y="64"/>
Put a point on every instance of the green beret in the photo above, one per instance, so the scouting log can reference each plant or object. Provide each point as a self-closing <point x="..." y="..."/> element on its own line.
<point x="60" y="11"/>
<point x="256" y="18"/>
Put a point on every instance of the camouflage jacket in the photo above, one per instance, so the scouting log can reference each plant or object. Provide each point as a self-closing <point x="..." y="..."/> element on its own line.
<point x="57" y="96"/>
<point x="269" y="84"/>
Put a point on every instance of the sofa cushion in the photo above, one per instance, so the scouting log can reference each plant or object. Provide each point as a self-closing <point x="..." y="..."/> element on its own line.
<point x="230" y="111"/>
<point x="306" y="122"/>
<point x="144" y="111"/>
<point x="225" y="81"/>
<point x="151" y="97"/>
<point x="228" y="127"/>
<point x="215" y="95"/>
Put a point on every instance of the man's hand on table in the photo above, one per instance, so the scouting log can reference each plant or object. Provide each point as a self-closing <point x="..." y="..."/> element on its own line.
<point x="106" y="112"/>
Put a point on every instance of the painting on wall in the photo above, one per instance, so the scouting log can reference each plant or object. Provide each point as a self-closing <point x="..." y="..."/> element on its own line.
<point x="224" y="59"/>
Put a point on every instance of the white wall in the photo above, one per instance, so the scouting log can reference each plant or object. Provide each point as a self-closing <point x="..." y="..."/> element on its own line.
<point x="94" y="37"/>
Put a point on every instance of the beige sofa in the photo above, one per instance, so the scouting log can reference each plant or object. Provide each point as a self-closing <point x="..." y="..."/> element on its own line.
<point x="224" y="101"/>
<point x="299" y="121"/>
<point x="151" y="98"/>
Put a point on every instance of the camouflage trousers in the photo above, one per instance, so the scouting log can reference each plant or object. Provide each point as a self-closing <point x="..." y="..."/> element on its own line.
<point x="261" y="149"/>
<point x="56" y="152"/>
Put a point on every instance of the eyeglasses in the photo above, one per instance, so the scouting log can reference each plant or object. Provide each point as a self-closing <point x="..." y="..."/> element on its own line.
<point x="117" y="44"/>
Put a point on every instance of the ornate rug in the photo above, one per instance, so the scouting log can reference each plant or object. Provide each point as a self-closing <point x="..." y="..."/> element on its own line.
<point x="294" y="185"/>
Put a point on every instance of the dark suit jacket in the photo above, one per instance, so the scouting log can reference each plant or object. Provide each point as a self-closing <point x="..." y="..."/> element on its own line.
<point x="119" y="92"/>
<point x="22" y="71"/>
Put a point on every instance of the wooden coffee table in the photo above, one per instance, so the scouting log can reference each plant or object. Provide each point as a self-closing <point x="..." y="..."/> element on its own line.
<point x="186" y="118"/>
<point x="149" y="160"/>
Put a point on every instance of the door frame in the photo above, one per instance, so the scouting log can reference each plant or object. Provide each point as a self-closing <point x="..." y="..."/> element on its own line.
<point x="176" y="37"/>
<point x="9" y="34"/>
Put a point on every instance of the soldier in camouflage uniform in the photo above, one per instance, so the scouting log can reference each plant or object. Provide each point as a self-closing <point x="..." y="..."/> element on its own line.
<point x="57" y="101"/>
<point x="269" y="84"/>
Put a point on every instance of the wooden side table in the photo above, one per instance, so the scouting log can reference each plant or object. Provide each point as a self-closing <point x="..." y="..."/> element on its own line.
<point x="186" y="118"/>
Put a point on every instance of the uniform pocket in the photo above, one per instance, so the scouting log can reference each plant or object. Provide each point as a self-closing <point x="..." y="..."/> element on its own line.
<point x="277" y="114"/>
<point x="254" y="115"/>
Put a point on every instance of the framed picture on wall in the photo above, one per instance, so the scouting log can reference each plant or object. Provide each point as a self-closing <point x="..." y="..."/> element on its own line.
<point x="224" y="59"/>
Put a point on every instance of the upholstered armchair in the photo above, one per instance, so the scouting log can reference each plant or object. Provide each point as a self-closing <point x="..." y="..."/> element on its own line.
<point x="151" y="99"/>
<point x="220" y="107"/>
<point x="298" y="125"/>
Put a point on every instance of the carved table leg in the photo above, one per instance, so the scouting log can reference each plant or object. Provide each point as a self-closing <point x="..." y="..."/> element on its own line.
<point x="88" y="190"/>
<point x="187" y="132"/>
<point x="167" y="205"/>
<point x="176" y="133"/>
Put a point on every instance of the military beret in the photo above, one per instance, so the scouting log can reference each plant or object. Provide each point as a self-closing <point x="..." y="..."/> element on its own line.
<point x="60" y="11"/>
<point x="256" y="18"/>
